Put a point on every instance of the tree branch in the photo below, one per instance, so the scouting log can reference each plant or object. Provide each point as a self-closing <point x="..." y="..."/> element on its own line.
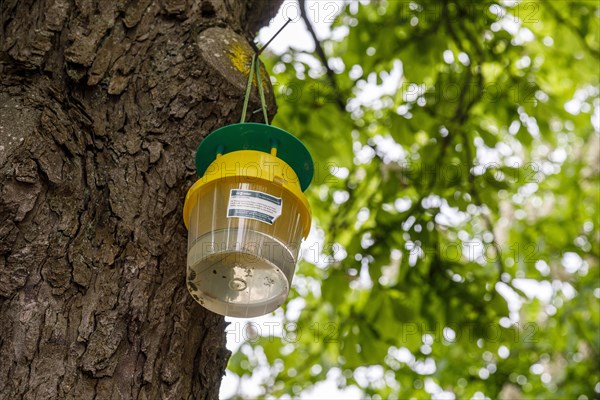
<point x="319" y="50"/>
<point x="569" y="24"/>
<point x="461" y="117"/>
<point x="475" y="193"/>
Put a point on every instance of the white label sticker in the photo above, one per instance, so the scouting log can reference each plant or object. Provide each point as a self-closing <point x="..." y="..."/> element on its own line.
<point x="252" y="204"/>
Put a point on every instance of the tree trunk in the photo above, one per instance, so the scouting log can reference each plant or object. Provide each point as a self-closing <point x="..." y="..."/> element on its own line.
<point x="102" y="104"/>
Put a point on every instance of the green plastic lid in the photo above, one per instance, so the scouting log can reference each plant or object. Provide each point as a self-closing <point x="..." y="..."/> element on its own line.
<point x="259" y="137"/>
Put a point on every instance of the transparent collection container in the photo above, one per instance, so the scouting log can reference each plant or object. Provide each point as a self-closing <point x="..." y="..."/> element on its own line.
<point x="237" y="266"/>
<point x="246" y="217"/>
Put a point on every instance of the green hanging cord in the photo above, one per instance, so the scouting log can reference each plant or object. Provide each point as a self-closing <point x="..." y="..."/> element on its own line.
<point x="263" y="103"/>
<point x="248" y="89"/>
<point x="261" y="92"/>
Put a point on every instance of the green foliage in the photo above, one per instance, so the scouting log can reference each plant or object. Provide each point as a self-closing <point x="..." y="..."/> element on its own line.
<point x="494" y="152"/>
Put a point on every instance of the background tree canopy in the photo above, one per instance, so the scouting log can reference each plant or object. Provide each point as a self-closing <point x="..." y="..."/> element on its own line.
<point x="455" y="250"/>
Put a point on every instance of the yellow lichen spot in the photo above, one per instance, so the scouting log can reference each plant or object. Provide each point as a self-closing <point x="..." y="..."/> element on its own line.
<point x="240" y="58"/>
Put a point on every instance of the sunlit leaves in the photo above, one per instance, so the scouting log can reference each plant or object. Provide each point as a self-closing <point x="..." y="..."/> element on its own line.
<point x="438" y="190"/>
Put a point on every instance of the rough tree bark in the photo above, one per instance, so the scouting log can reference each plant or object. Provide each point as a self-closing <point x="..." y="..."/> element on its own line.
<point x="102" y="104"/>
